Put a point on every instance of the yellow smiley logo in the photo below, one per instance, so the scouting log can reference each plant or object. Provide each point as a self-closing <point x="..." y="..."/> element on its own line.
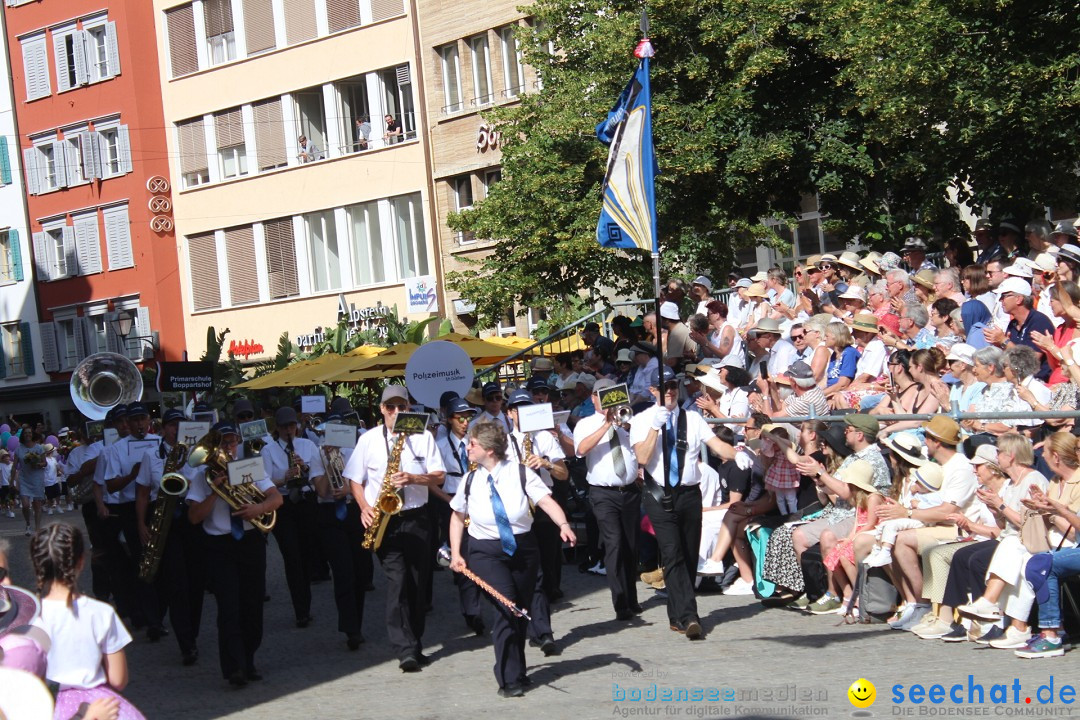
<point x="862" y="693"/>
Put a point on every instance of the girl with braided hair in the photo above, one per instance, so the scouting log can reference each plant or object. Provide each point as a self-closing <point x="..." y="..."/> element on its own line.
<point x="88" y="638"/>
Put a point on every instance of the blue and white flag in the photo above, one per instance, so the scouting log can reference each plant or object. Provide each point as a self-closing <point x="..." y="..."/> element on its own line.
<point x="628" y="217"/>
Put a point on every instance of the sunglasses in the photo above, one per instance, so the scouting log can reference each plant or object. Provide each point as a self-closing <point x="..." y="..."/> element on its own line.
<point x="826" y="266"/>
<point x="396" y="406"/>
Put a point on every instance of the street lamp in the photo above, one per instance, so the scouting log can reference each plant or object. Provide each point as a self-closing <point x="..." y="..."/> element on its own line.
<point x="122" y="326"/>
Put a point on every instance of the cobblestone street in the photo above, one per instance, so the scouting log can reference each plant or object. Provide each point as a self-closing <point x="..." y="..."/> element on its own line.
<point x="769" y="663"/>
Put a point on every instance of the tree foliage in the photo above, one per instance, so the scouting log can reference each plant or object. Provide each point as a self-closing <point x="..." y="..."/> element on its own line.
<point x="880" y="107"/>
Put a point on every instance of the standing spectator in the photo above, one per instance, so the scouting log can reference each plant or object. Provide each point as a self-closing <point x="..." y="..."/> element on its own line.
<point x="30" y="475"/>
<point x="958" y="253"/>
<point x="678" y="346"/>
<point x="914" y="255"/>
<point x="393" y="132"/>
<point x="363" y="132"/>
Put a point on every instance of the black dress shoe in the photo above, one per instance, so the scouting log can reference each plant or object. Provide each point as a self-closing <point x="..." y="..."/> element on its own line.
<point x="694" y="631"/>
<point x="678" y="627"/>
<point x="624" y="615"/>
<point x="525" y="681"/>
<point x="304" y="621"/>
<point x="511" y="691"/>
<point x="253" y="675"/>
<point x="190" y="658"/>
<point x="409" y="664"/>
<point x="238" y="680"/>
<point x="354" y="641"/>
<point x="423" y="659"/>
<point x="476" y="624"/>
<point x="556" y="594"/>
<point x="636" y="609"/>
<point x="547" y="645"/>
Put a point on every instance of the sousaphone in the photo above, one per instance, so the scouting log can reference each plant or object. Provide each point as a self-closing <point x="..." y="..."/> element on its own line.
<point x="103" y="381"/>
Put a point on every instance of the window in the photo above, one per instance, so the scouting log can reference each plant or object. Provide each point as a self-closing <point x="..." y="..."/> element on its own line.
<point x="409" y="236"/>
<point x="355" y="119"/>
<point x="462" y="192"/>
<point x="203" y="266"/>
<point x="342" y="14"/>
<point x="76" y="170"/>
<point x="114" y="149"/>
<point x="183" y="55"/>
<point x="281" y="258"/>
<point x="5" y="161"/>
<point x="43" y="173"/>
<point x="323" y="257"/>
<point x="87" y="242"/>
<point x="451" y="70"/>
<point x="118" y="237"/>
<point x="220" y="37"/>
<point x="259" y="26"/>
<point x="232" y="152"/>
<point x="369" y="263"/>
<point x="383" y="9"/>
<point x="70" y="58"/>
<point x="102" y="50"/>
<point x="99" y="334"/>
<point x="194" y="170"/>
<point x="36" y="67"/>
<point x="481" y="62"/>
<point x="513" y="71"/>
<point x="11" y="269"/>
<point x="269" y="134"/>
<point x="55" y="248"/>
<point x="66" y="348"/>
<point x="397" y="98"/>
<point x="243" y="276"/>
<point x="311" y="119"/>
<point x="18" y="349"/>
<point x="300" y="22"/>
<point x="490" y="178"/>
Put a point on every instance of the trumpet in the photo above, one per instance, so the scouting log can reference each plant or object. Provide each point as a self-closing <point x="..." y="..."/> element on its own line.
<point x="209" y="452"/>
<point x="624" y="414"/>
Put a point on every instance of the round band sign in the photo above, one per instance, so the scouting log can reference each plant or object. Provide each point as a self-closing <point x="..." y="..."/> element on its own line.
<point x="435" y="368"/>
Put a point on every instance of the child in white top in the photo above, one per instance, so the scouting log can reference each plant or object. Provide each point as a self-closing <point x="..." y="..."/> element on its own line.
<point x="87" y="656"/>
<point x="924" y="493"/>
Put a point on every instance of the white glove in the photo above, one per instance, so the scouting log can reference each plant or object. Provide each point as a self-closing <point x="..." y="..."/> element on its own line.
<point x="660" y="418"/>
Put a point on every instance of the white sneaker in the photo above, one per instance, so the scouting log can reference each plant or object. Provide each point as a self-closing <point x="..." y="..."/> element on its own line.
<point x="50" y="511"/>
<point x="740" y="587"/>
<point x="1012" y="639"/>
<point x="598" y="568"/>
<point x="11" y="513"/>
<point x="60" y="509"/>
<point x="71" y="507"/>
<point x="711" y="567"/>
<point x="981" y="609"/>
<point x="880" y="557"/>
<point x="28" y="532"/>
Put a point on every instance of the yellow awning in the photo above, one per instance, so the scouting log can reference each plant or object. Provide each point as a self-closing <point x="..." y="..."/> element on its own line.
<point x="393" y="358"/>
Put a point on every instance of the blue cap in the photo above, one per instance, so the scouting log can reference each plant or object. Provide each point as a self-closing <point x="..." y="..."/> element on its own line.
<point x="172" y="414"/>
<point x="537" y="384"/>
<point x="458" y="406"/>
<point x="654" y="379"/>
<point x="201" y="407"/>
<point x="446" y="397"/>
<point x="491" y="388"/>
<point x="335" y="418"/>
<point x="519" y="397"/>
<point x="136" y="409"/>
<point x="119" y="411"/>
<point x="225" y="428"/>
<point x="1036" y="572"/>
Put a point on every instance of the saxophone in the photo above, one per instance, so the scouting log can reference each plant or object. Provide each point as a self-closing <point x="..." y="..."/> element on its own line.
<point x="390" y="499"/>
<point x="208" y="452"/>
<point x="172" y="487"/>
<point x="528" y="445"/>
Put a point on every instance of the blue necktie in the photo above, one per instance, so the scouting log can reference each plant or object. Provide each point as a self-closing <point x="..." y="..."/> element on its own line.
<point x="673" y="453"/>
<point x="506" y="533"/>
<point x="463" y="458"/>
<point x="238" y="528"/>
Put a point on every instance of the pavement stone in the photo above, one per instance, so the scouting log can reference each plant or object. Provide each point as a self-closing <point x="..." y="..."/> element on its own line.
<point x="760" y="663"/>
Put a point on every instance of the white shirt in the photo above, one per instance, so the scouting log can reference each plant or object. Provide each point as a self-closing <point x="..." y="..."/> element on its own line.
<point x="484" y="415"/>
<point x="959" y="485"/>
<point x="872" y="360"/>
<point x="738" y="310"/>
<point x="450" y="449"/>
<point x="712" y="490"/>
<point x="697" y="433"/>
<point x="544" y="445"/>
<point x="120" y="460"/>
<point x="80" y="455"/>
<point x="275" y="456"/>
<point x="1013" y="492"/>
<point x="367" y="465"/>
<point x="5" y="474"/>
<point x="781" y="356"/>
<point x="507" y="477"/>
<point x="153" y="467"/>
<point x="1042" y="393"/>
<point x="734" y="403"/>
<point x="599" y="460"/>
<point x="81" y="637"/>
<point x="219" y="521"/>
<point x="52" y="471"/>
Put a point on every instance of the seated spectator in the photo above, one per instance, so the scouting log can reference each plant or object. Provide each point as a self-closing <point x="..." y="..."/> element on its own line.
<point x="999" y="395"/>
<point x="308" y="151"/>
<point x="908" y="392"/>
<point x="843" y="360"/>
<point x="941" y="324"/>
<point x="865" y="498"/>
<point x="966" y="388"/>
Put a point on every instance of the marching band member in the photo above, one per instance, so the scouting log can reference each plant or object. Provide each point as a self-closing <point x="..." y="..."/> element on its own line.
<point x="81" y="463"/>
<point x="236" y="556"/>
<point x="405" y="551"/>
<point x="502" y="550"/>
<point x="493" y="406"/>
<point x="615" y="496"/>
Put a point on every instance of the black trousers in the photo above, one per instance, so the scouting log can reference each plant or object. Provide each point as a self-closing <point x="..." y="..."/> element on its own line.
<point x="468" y="592"/>
<point x="551" y="552"/>
<point x="618" y="518"/>
<point x="296" y="534"/>
<point x="238" y="573"/>
<point x="193" y="544"/>
<point x="171" y="586"/>
<point x="405" y="554"/>
<point x="541" y="533"/>
<point x="678" y="533"/>
<point x="516" y="578"/>
<point x="146" y="596"/>
<point x="100" y="581"/>
<point x="349" y="562"/>
<point x="967" y="573"/>
<point x="121" y="566"/>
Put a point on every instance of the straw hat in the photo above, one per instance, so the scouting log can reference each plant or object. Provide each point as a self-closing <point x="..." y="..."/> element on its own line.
<point x="931" y="475"/>
<point x="860" y="474"/>
<point x="867" y="322"/>
<point x="756" y="290"/>
<point x="908" y="447"/>
<point x="924" y="278"/>
<point x="943" y="429"/>
<point x="851" y="260"/>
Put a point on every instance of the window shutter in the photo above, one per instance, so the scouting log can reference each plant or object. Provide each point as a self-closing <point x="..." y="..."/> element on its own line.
<point x="88" y="243"/>
<point x="80" y="327"/>
<point x="146" y="351"/>
<point x="217" y="15"/>
<point x="5" y="161"/>
<point x="259" y="26"/>
<point x="192" y="146"/>
<point x="243" y="278"/>
<point x="123" y="142"/>
<point x="300" y="21"/>
<point x="229" y="126"/>
<point x="41" y="256"/>
<point x="30" y="161"/>
<point x="36" y="65"/>
<point x="78" y="49"/>
<point x="27" y="342"/>
<point x="60" y="163"/>
<point x="3" y="356"/>
<point x="50" y="358"/>
<point x="281" y="258"/>
<point x="71" y="257"/>
<point x="113" y="343"/>
<point x="269" y="134"/>
<point x="16" y="254"/>
<point x="63" y="81"/>
<point x="403" y="75"/>
<point x="183" y="56"/>
<point x="91" y="155"/>
<point x="202" y="260"/>
<point x="112" y="48"/>
<point x="342" y="14"/>
<point x="383" y="9"/>
<point x="118" y="237"/>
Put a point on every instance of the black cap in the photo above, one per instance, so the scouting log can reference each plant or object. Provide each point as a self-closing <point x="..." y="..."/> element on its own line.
<point x="669" y="375"/>
<point x="137" y="409"/>
<point x="334" y="418"/>
<point x="202" y="407"/>
<point x="446" y="397"/>
<point x="536" y="384"/>
<point x="491" y="388"/>
<point x="243" y="405"/>
<point x="285" y="416"/>
<point x="119" y="411"/>
<point x="458" y="406"/>
<point x="225" y="428"/>
<point x="519" y="397"/>
<point x="340" y="405"/>
<point x="172" y="414"/>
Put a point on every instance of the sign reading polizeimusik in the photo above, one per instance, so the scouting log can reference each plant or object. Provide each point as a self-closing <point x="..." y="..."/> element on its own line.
<point x="436" y="367"/>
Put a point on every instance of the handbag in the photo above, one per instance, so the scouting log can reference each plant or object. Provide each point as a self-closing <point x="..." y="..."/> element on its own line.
<point x="1033" y="533"/>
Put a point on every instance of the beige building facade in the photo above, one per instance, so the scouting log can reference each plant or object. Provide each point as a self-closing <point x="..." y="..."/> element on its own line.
<point x="300" y="168"/>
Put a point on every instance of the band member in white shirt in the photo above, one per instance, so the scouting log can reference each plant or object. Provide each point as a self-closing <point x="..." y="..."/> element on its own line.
<point x="502" y="550"/>
<point x="236" y="558"/>
<point x="615" y="496"/>
<point x="493" y="406"/>
<point x="405" y="551"/>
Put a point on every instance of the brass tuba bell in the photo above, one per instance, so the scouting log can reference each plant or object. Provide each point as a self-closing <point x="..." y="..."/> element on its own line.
<point x="103" y="381"/>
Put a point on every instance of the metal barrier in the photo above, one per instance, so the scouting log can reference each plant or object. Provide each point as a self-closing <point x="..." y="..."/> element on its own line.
<point x="958" y="416"/>
<point x="560" y="334"/>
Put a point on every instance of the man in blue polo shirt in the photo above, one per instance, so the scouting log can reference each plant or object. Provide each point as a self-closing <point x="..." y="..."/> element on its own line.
<point x="1014" y="294"/>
